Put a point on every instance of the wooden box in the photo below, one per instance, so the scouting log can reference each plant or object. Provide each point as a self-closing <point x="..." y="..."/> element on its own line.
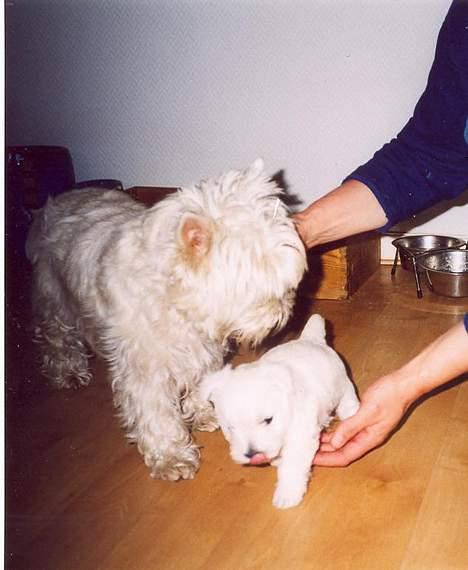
<point x="337" y="270"/>
<point x="149" y="195"/>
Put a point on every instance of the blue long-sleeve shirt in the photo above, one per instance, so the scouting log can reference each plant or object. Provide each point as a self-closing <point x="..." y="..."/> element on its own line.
<point x="428" y="160"/>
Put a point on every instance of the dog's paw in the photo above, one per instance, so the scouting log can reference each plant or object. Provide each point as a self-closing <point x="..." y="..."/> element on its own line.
<point x="183" y="466"/>
<point x="285" y="498"/>
<point x="206" y="420"/>
<point x="72" y="382"/>
<point x="206" y="425"/>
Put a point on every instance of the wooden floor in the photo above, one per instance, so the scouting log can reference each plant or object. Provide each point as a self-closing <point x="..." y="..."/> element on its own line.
<point x="79" y="497"/>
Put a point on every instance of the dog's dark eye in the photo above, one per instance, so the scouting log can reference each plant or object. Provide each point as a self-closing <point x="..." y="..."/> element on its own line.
<point x="268" y="421"/>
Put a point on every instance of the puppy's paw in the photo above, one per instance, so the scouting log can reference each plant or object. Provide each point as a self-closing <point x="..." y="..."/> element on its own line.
<point x="286" y="497"/>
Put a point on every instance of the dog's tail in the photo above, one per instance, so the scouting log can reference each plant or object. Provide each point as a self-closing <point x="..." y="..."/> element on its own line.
<point x="314" y="329"/>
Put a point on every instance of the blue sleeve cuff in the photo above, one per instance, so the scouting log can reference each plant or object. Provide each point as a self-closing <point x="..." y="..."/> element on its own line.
<point x="465" y="320"/>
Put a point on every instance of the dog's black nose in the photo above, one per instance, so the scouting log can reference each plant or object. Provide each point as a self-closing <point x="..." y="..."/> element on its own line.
<point x="251" y="452"/>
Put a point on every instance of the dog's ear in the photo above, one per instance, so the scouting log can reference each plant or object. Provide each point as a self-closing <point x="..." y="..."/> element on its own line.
<point x="195" y="237"/>
<point x="255" y="169"/>
<point x="211" y="382"/>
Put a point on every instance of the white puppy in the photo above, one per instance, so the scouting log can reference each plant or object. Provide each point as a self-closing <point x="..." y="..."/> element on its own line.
<point x="273" y="410"/>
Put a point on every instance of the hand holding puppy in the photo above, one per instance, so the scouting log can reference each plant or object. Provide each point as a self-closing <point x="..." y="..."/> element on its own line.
<point x="382" y="407"/>
<point x="385" y="402"/>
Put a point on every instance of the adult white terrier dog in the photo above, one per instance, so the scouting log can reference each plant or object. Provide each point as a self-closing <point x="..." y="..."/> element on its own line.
<point x="273" y="410"/>
<point x="160" y="293"/>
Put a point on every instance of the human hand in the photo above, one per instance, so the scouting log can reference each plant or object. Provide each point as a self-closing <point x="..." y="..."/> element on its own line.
<point x="385" y="402"/>
<point x="347" y="210"/>
<point x="306" y="227"/>
<point x="382" y="407"/>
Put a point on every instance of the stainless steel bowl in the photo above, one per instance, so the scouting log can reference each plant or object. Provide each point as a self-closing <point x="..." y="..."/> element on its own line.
<point x="412" y="246"/>
<point x="446" y="271"/>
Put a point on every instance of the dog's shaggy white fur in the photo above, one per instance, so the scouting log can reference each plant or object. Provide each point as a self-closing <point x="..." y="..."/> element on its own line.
<point x="273" y="410"/>
<point x="160" y="293"/>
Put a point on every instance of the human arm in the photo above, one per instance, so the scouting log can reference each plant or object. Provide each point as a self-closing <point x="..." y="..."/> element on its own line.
<point x="425" y="164"/>
<point x="385" y="402"/>
<point x="347" y="210"/>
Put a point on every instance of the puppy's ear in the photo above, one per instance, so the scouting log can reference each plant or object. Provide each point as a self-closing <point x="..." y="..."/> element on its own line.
<point x="195" y="237"/>
<point x="210" y="383"/>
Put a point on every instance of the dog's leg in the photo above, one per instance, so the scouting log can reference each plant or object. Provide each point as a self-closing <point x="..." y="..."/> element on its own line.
<point x="149" y="408"/>
<point x="63" y="349"/>
<point x="295" y="465"/>
<point x="349" y="403"/>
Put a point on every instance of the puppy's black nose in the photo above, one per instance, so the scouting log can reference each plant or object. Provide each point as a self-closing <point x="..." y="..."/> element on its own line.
<point x="251" y="452"/>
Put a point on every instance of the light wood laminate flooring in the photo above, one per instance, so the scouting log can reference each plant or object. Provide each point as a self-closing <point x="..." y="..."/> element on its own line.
<point x="80" y="498"/>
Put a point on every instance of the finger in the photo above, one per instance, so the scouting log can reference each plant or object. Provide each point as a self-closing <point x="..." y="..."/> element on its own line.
<point x="339" y="457"/>
<point x="326" y="447"/>
<point x="349" y="428"/>
<point x="326" y="436"/>
<point x="353" y="450"/>
<point x="335" y="459"/>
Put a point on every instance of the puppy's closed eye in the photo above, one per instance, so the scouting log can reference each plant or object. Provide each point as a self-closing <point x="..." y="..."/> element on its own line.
<point x="267" y="421"/>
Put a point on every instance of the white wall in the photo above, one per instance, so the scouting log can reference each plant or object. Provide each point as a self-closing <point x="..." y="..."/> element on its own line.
<point x="166" y="92"/>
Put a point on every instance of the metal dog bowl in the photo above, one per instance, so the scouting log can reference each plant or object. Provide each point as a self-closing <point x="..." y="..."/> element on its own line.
<point x="410" y="248"/>
<point x="446" y="271"/>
